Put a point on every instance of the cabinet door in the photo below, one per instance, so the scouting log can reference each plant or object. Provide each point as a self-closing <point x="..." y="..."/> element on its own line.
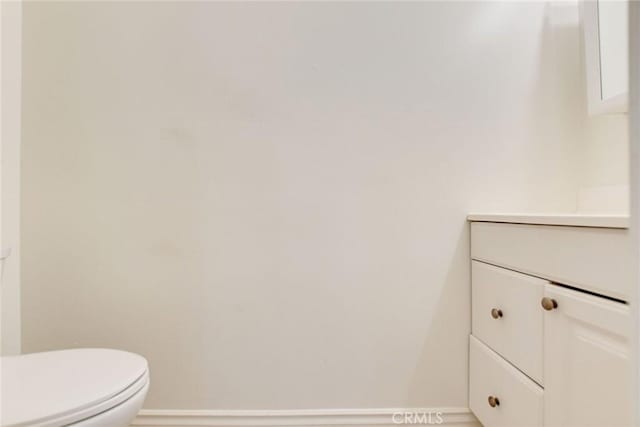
<point x="587" y="366"/>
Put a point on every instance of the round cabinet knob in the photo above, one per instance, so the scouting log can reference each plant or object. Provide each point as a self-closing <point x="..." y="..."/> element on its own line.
<point x="494" y="401"/>
<point x="549" y="303"/>
<point x="496" y="313"/>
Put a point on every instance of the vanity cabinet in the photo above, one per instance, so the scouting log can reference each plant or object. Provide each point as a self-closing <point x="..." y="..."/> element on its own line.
<point x="545" y="352"/>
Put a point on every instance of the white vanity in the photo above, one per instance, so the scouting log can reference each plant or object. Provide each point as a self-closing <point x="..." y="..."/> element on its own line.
<point x="550" y="342"/>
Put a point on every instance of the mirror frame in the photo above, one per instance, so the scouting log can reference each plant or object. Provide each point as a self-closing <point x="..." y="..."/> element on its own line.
<point x="590" y="26"/>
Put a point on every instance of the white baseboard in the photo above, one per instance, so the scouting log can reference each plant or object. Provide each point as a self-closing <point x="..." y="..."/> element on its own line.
<point x="387" y="417"/>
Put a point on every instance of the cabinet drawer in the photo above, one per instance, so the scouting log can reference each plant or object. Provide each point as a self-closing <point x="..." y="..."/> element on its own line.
<point x="595" y="259"/>
<point x="514" y="298"/>
<point x="519" y="398"/>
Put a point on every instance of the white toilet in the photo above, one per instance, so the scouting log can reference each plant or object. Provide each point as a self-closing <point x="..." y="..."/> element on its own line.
<point x="82" y="387"/>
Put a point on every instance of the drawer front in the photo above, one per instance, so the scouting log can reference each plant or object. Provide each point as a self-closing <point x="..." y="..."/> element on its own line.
<point x="520" y="400"/>
<point x="594" y="259"/>
<point x="507" y="316"/>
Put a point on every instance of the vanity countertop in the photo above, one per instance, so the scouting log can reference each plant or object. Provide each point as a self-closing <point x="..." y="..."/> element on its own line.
<point x="574" y="219"/>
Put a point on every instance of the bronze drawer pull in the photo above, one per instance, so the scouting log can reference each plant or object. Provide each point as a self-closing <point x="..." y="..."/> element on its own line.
<point x="549" y="303"/>
<point x="494" y="401"/>
<point x="496" y="313"/>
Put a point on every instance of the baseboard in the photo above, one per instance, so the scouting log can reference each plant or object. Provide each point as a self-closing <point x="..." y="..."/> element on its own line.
<point x="387" y="417"/>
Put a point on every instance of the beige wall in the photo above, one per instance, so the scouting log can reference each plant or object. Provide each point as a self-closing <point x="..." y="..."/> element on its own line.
<point x="268" y="200"/>
<point x="10" y="95"/>
<point x="634" y="146"/>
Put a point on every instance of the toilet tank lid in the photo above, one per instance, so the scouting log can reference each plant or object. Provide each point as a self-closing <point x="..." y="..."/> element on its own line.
<point x="40" y="386"/>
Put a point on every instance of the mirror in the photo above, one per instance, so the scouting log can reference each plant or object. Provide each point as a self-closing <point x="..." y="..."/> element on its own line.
<point x="606" y="44"/>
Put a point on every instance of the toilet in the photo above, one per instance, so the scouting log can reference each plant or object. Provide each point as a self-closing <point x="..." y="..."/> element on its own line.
<point x="79" y="387"/>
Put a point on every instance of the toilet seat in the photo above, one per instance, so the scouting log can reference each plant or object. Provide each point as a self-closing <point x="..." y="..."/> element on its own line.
<point x="59" y="388"/>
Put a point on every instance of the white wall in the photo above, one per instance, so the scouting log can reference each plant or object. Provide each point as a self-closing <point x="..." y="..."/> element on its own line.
<point x="10" y="94"/>
<point x="605" y="165"/>
<point x="268" y="200"/>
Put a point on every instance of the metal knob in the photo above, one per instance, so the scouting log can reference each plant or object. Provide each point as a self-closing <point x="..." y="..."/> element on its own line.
<point x="494" y="401"/>
<point x="549" y="303"/>
<point x="496" y="313"/>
